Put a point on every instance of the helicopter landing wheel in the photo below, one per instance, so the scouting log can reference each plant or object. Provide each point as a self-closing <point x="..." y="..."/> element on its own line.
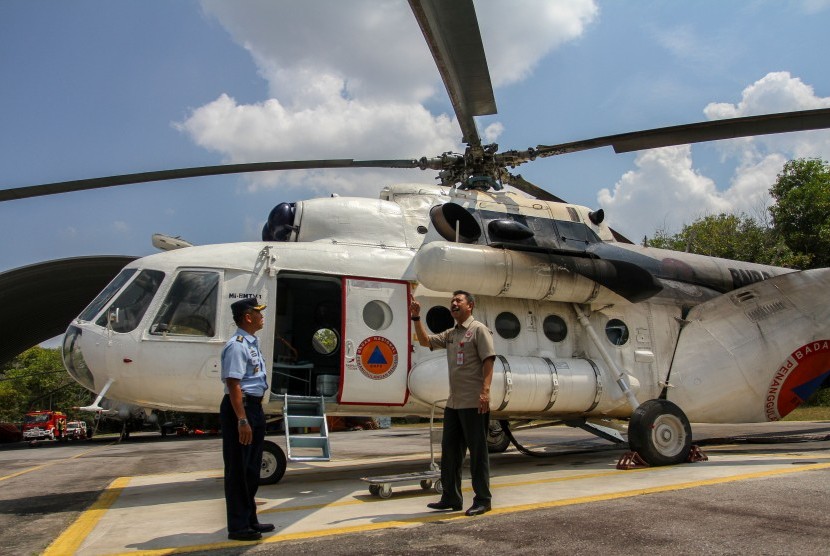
<point x="660" y="432"/>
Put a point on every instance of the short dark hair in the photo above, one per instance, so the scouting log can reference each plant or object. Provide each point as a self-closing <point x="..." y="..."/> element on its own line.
<point x="470" y="297"/>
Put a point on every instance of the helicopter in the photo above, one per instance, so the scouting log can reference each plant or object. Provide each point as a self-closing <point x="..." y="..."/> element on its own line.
<point x="588" y="326"/>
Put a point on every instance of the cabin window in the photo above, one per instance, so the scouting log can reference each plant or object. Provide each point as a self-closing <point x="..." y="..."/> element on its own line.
<point x="508" y="325"/>
<point x="128" y="308"/>
<point x="377" y="315"/>
<point x="617" y="332"/>
<point x="439" y="319"/>
<point x="190" y="306"/>
<point x="555" y="328"/>
<point x="325" y="341"/>
<point x="105" y="296"/>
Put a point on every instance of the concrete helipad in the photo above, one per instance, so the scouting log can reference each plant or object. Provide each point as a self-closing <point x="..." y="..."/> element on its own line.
<point x="184" y="512"/>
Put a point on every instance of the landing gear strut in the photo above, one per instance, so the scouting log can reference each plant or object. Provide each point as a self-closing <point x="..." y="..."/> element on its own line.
<point x="660" y="433"/>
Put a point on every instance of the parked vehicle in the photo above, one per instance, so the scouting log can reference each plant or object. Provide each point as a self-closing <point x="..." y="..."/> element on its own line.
<point x="44" y="425"/>
<point x="76" y="430"/>
<point x="10" y="432"/>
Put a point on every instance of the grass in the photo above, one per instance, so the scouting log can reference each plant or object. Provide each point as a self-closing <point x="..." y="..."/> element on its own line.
<point x="814" y="413"/>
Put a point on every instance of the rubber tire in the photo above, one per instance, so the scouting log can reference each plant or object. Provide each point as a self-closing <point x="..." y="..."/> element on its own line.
<point x="426" y="484"/>
<point x="660" y="432"/>
<point x="273" y="464"/>
<point x="385" y="491"/>
<point x="438" y="486"/>
<point x="497" y="440"/>
<point x="374" y="490"/>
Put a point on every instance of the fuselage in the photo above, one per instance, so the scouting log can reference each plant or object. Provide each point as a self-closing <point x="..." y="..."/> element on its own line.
<point x="337" y="325"/>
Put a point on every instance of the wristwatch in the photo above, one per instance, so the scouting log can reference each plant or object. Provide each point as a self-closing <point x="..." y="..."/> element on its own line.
<point x="243" y="421"/>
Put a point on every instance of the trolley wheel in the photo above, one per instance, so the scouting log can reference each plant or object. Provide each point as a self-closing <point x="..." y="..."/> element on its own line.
<point x="385" y="490"/>
<point x="438" y="486"/>
<point x="426" y="484"/>
<point x="374" y="490"/>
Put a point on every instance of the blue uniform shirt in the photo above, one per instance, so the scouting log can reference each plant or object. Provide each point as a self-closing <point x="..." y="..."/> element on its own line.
<point x="242" y="359"/>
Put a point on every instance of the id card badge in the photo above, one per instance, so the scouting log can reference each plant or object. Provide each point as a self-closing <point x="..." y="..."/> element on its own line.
<point x="459" y="356"/>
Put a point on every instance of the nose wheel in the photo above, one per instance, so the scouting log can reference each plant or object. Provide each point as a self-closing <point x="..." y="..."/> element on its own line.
<point x="273" y="464"/>
<point x="660" y="433"/>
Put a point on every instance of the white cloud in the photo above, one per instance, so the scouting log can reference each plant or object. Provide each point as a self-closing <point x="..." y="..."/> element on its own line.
<point x="120" y="226"/>
<point x="350" y="79"/>
<point x="665" y="191"/>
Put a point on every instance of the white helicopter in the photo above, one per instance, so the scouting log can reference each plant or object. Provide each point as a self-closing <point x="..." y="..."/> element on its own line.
<point x="588" y="327"/>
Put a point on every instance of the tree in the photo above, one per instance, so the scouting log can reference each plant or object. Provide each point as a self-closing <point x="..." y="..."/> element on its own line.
<point x="36" y="379"/>
<point x="800" y="215"/>
<point x="730" y="236"/>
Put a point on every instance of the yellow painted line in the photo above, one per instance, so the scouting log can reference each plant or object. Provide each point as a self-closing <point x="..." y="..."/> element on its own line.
<point x="497" y="511"/>
<point x="493" y="486"/>
<point x="70" y="540"/>
<point x="51" y="463"/>
<point x="496" y="485"/>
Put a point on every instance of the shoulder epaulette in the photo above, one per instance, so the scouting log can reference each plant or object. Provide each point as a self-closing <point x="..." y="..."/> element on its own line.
<point x="240" y="338"/>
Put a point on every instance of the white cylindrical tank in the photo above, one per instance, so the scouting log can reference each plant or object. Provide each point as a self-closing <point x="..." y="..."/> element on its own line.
<point x="528" y="385"/>
<point x="445" y="266"/>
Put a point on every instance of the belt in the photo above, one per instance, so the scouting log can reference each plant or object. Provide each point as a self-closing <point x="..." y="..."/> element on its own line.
<point x="248" y="399"/>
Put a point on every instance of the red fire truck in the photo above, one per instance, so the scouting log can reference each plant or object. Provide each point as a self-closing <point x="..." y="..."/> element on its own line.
<point x="42" y="425"/>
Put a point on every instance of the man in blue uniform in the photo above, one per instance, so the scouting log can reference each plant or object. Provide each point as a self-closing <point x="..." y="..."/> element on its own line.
<point x="243" y="421"/>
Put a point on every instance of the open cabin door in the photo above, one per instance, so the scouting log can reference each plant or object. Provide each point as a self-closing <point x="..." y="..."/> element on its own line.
<point x="376" y="342"/>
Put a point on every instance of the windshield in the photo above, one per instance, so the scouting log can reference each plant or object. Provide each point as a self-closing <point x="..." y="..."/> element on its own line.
<point x="128" y="308"/>
<point x="104" y="297"/>
<point x="34" y="419"/>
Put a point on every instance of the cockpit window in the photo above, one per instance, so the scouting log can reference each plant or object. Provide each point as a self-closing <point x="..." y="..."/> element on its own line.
<point x="103" y="298"/>
<point x="190" y="307"/>
<point x="126" y="311"/>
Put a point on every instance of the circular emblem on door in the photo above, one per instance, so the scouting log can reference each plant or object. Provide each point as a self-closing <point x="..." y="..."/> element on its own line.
<point x="377" y="357"/>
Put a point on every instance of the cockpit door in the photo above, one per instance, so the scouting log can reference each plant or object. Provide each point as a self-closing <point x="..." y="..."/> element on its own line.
<point x="376" y="342"/>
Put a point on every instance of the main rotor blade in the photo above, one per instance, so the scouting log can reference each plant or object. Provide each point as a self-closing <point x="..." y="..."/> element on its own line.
<point x="451" y="30"/>
<point x="179" y="173"/>
<point x="525" y="186"/>
<point x="731" y="128"/>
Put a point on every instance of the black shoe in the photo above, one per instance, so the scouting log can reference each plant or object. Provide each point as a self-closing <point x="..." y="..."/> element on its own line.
<point x="263" y="527"/>
<point x="477" y="509"/>
<point x="443" y="506"/>
<point x="245" y="535"/>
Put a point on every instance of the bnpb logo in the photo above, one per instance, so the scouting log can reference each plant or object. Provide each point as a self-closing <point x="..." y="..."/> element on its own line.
<point x="797" y="378"/>
<point x="377" y="357"/>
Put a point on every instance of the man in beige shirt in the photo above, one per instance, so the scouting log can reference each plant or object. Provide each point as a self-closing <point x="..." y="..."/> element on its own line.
<point x="470" y="356"/>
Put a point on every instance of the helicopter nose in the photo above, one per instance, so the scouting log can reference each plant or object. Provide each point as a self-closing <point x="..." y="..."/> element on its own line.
<point x="73" y="358"/>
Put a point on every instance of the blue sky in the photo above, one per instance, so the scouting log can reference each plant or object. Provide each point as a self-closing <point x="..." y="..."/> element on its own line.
<point x="93" y="88"/>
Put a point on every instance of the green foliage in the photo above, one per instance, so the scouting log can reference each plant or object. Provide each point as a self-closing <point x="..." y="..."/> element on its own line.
<point x="36" y="379"/>
<point x="730" y="236"/>
<point x="800" y="215"/>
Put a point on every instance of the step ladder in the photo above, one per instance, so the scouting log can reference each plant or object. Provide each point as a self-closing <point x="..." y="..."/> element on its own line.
<point x="306" y="412"/>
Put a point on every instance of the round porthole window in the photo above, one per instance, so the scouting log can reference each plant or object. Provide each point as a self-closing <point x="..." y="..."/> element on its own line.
<point x="508" y="325"/>
<point x="325" y="341"/>
<point x="439" y="319"/>
<point x="377" y="315"/>
<point x="617" y="332"/>
<point x="555" y="328"/>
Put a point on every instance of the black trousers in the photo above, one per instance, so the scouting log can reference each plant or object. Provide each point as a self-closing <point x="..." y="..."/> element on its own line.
<point x="242" y="464"/>
<point x="465" y="429"/>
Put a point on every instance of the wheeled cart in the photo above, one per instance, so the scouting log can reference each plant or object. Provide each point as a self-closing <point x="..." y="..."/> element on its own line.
<point x="381" y="486"/>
